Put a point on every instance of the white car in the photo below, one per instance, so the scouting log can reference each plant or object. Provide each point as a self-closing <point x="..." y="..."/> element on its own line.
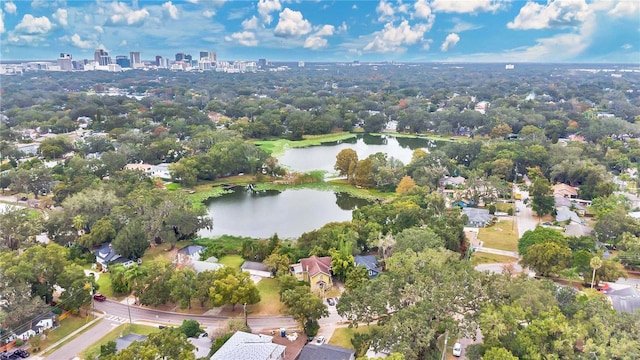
<point x="320" y="340"/>
<point x="457" y="349"/>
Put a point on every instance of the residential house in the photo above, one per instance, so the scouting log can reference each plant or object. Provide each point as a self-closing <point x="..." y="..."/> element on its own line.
<point x="123" y="342"/>
<point x="477" y="217"/>
<point x="625" y="299"/>
<point x="632" y="199"/>
<point x="453" y="181"/>
<point x="256" y="269"/>
<point x="189" y="253"/>
<point x="106" y="256"/>
<point x="563" y="215"/>
<point x="564" y="190"/>
<point x="37" y="325"/>
<point x="574" y="229"/>
<point x="247" y="346"/>
<point x="210" y="264"/>
<point x="145" y="168"/>
<point x="325" y="352"/>
<point x="314" y="270"/>
<point x="369" y="262"/>
<point x="462" y="203"/>
<point x="569" y="204"/>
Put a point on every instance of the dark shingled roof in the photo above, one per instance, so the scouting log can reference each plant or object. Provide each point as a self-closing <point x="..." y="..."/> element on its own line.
<point x="325" y="352"/>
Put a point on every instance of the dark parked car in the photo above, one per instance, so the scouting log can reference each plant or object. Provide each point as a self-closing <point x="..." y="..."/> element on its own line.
<point x="14" y="356"/>
<point x="99" y="297"/>
<point x="22" y="353"/>
<point x="331" y="302"/>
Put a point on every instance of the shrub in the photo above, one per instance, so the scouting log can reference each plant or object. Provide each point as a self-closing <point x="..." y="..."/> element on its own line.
<point x="190" y="328"/>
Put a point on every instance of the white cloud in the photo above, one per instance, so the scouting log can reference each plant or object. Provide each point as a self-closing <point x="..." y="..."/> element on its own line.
<point x="423" y="10"/>
<point x="292" y="24"/>
<point x="467" y="6"/>
<point x="192" y="1"/>
<point x="385" y="11"/>
<point x="554" y="14"/>
<point x="60" y="16"/>
<point x="10" y="8"/>
<point x="391" y="38"/>
<point x="123" y="15"/>
<point x="250" y="24"/>
<point x="123" y="43"/>
<point x="325" y="30"/>
<point x="266" y="7"/>
<point x="245" y="38"/>
<point x="208" y="13"/>
<point x="354" y="6"/>
<point x="628" y="8"/>
<point x="627" y="46"/>
<point x="315" y="42"/>
<point x="450" y="41"/>
<point x="426" y="45"/>
<point x="171" y="9"/>
<point x="343" y="27"/>
<point x="1" y="22"/>
<point x="34" y="25"/>
<point x="77" y="41"/>
<point x="460" y="26"/>
<point x="98" y="28"/>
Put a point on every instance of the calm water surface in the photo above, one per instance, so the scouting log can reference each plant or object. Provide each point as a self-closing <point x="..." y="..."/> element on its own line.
<point x="289" y="213"/>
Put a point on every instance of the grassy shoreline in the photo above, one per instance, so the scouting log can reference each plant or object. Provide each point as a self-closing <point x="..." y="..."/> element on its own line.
<point x="278" y="147"/>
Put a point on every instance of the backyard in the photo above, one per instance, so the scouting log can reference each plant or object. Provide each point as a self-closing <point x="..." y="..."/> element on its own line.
<point x="503" y="236"/>
<point x="94" y="350"/>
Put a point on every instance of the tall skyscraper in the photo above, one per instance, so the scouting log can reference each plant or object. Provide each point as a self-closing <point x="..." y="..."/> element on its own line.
<point x="134" y="56"/>
<point x="158" y="60"/>
<point x="123" y="61"/>
<point x="64" y="62"/>
<point x="180" y="56"/>
<point x="203" y="54"/>
<point x="101" y="56"/>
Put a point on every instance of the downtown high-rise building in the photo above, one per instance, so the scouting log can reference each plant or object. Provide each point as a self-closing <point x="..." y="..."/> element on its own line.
<point x="64" y="62"/>
<point x="101" y="57"/>
<point x="134" y="57"/>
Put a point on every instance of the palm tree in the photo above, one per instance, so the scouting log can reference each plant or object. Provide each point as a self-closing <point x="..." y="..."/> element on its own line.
<point x="595" y="263"/>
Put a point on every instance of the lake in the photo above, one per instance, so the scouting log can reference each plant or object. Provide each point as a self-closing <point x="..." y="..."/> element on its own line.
<point x="289" y="213"/>
<point x="293" y="212"/>
<point x="323" y="157"/>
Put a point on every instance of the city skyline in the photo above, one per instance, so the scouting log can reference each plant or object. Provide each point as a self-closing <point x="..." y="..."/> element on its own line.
<point x="412" y="31"/>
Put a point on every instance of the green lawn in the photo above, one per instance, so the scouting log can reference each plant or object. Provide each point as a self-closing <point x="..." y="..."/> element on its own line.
<point x="94" y="350"/>
<point x="342" y="336"/>
<point x="67" y="326"/>
<point x="504" y="207"/>
<point x="503" y="235"/>
<point x="154" y="252"/>
<point x="486" y="258"/>
<point x="104" y="282"/>
<point x="269" y="299"/>
<point x="233" y="261"/>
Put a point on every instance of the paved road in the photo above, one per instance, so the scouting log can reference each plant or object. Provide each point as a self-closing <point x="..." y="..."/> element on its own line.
<point x="526" y="220"/>
<point x="84" y="340"/>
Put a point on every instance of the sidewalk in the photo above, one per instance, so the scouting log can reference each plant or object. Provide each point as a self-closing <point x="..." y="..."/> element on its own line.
<point x="66" y="338"/>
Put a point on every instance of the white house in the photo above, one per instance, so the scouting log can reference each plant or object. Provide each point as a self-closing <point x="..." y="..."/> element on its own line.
<point x="256" y="269"/>
<point x="244" y="346"/>
<point x="39" y="324"/>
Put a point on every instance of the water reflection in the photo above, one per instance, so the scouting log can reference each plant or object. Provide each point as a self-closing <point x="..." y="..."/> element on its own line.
<point x="288" y="213"/>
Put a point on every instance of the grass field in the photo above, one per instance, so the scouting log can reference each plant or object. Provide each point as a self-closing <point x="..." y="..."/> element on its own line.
<point x="104" y="282"/>
<point x="278" y="147"/>
<point x="503" y="235"/>
<point x="94" y="350"/>
<point x="269" y="299"/>
<point x="504" y="207"/>
<point x="342" y="336"/>
<point x="485" y="258"/>
<point x="67" y="326"/>
<point x="232" y="261"/>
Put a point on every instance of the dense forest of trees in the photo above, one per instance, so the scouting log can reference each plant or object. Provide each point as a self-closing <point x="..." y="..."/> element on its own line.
<point x="204" y="126"/>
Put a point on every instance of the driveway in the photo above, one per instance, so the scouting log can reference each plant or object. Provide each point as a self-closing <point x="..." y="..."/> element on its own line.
<point x="525" y="218"/>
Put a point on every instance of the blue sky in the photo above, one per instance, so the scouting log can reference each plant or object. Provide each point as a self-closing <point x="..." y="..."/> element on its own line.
<point x="420" y="31"/>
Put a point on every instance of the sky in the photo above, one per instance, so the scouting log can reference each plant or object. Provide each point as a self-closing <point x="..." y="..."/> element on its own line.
<point x="598" y="31"/>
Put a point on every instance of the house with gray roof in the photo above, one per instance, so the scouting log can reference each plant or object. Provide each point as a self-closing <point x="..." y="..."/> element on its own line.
<point x="625" y="300"/>
<point x="125" y="341"/>
<point x="247" y="346"/>
<point x="477" y="217"/>
<point x="325" y="352"/>
<point x="256" y="269"/>
<point x="190" y="253"/>
<point x="563" y="215"/>
<point x="369" y="262"/>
